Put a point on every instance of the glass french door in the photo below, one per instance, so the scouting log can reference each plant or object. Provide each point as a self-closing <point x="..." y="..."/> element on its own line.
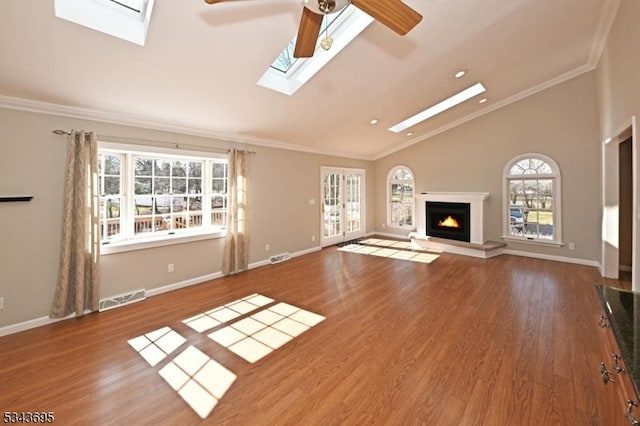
<point x="342" y="205"/>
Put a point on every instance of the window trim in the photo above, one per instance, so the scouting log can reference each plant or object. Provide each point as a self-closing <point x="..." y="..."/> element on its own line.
<point x="555" y="175"/>
<point x="161" y="239"/>
<point x="413" y="197"/>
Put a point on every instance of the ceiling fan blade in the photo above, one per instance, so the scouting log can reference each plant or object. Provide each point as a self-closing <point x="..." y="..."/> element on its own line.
<point x="307" y="34"/>
<point x="392" y="13"/>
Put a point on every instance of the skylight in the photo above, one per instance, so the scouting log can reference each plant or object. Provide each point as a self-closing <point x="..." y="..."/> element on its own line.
<point x="287" y="74"/>
<point x="442" y="106"/>
<point x="285" y="59"/>
<point x="125" y="19"/>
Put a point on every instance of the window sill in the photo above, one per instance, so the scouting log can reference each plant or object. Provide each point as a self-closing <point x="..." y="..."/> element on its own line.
<point x="166" y="240"/>
<point x="534" y="242"/>
<point x="403" y="227"/>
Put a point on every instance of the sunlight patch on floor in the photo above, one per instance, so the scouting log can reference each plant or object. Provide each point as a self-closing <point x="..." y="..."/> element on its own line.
<point x="255" y="337"/>
<point x="412" y="256"/>
<point x="156" y="345"/>
<point x="388" y="243"/>
<point x="198" y="379"/>
<point x="216" y="316"/>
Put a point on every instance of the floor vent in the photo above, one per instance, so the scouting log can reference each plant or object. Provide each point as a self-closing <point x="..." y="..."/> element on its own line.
<point x="279" y="258"/>
<point x="123" y="299"/>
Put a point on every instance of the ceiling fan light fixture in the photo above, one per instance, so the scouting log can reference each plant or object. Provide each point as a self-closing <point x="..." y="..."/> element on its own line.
<point x="326" y="43"/>
<point x="325" y="6"/>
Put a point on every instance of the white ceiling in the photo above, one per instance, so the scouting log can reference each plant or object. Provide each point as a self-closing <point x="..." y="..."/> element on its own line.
<point x="198" y="70"/>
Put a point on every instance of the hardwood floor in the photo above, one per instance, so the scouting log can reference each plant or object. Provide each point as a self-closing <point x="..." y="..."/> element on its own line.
<point x="459" y="341"/>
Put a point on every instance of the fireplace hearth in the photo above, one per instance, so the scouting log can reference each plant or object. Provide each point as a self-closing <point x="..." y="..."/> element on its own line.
<point x="449" y="220"/>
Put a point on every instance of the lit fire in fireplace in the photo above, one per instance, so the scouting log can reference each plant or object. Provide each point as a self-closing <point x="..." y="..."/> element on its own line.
<point x="449" y="222"/>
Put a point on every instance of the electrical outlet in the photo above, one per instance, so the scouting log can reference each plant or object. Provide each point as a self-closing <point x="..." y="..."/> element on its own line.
<point x="1" y="303"/>
<point x="313" y="238"/>
<point x="267" y="247"/>
<point x="170" y="268"/>
<point x="572" y="246"/>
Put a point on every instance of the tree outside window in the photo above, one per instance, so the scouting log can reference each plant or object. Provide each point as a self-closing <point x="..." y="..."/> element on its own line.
<point x="159" y="195"/>
<point x="532" y="187"/>
<point x="400" y="183"/>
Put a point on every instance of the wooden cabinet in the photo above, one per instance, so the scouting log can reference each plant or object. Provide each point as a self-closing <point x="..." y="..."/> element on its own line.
<point x="620" y="393"/>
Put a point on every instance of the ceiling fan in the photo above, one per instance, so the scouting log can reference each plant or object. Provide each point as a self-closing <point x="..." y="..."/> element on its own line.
<point x="392" y="13"/>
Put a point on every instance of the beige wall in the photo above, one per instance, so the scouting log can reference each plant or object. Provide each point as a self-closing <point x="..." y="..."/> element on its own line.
<point x="618" y="90"/>
<point x="618" y="72"/>
<point x="560" y="122"/>
<point x="32" y="162"/>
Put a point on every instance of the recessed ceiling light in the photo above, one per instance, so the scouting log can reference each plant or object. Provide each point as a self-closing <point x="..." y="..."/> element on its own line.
<point x="460" y="73"/>
<point x="374" y="121"/>
<point x="483" y="100"/>
<point x="442" y="106"/>
<point x="410" y="134"/>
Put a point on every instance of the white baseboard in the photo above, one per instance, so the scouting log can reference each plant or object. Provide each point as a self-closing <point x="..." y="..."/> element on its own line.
<point x="39" y="322"/>
<point x="564" y="259"/>
<point x="182" y="284"/>
<point x="390" y="235"/>
<point x="296" y="254"/>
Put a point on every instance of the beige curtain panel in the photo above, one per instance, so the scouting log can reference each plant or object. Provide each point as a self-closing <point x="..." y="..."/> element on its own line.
<point x="236" y="248"/>
<point x="77" y="289"/>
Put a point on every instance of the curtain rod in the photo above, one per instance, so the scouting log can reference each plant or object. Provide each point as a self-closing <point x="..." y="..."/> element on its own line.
<point x="150" y="142"/>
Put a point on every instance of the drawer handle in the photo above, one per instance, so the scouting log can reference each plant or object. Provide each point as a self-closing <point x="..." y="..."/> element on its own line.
<point x="605" y="374"/>
<point x="603" y="322"/>
<point x="630" y="417"/>
<point x="616" y="366"/>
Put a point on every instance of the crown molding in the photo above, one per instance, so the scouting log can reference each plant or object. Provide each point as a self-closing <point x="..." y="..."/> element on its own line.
<point x="607" y="18"/>
<point x="140" y="121"/>
<point x="515" y="98"/>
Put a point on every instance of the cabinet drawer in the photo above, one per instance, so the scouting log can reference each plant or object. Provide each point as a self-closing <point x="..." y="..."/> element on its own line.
<point x="621" y="389"/>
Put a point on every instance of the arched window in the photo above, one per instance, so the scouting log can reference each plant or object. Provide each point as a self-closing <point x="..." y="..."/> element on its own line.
<point x="400" y="187"/>
<point x="532" y="199"/>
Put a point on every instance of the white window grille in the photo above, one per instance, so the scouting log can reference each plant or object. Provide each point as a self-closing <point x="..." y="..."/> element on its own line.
<point x="400" y="196"/>
<point x="146" y="195"/>
<point x="532" y="199"/>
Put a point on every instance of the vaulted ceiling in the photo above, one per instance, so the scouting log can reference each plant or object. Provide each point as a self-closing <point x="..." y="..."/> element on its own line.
<point x="197" y="72"/>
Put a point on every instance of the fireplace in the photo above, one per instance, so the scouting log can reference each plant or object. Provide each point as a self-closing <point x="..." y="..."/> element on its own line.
<point x="448" y="220"/>
<point x="475" y="222"/>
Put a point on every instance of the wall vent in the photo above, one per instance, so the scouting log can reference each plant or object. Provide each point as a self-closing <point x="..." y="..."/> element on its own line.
<point x="123" y="299"/>
<point x="279" y="258"/>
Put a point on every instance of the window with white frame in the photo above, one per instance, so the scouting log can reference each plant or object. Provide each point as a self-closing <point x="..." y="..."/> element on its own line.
<point x="159" y="194"/>
<point x="532" y="199"/>
<point x="400" y="195"/>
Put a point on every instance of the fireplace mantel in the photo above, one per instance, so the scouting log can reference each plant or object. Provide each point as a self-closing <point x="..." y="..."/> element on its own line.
<point x="477" y="201"/>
